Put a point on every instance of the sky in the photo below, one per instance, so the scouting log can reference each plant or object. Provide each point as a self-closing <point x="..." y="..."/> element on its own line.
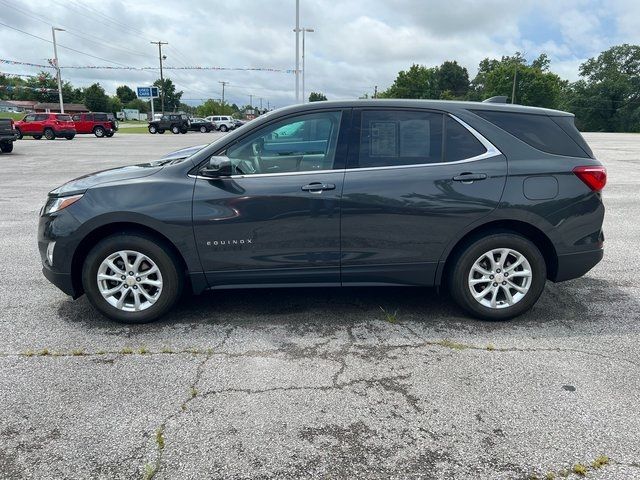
<point x="356" y="44"/>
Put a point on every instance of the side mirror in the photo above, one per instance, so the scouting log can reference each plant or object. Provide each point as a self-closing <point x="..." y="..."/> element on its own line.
<point x="217" y="167"/>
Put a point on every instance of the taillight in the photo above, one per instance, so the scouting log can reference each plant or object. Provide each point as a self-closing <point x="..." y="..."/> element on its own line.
<point x="594" y="177"/>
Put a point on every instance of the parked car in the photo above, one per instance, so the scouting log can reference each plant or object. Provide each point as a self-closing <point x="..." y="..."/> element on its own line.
<point x="201" y="125"/>
<point x="489" y="200"/>
<point x="8" y="135"/>
<point x="175" y="122"/>
<point x="222" y="122"/>
<point x="238" y="123"/>
<point x="47" y="125"/>
<point x="98" y="123"/>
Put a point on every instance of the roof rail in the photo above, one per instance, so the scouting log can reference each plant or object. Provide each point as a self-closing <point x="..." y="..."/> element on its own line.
<point x="496" y="99"/>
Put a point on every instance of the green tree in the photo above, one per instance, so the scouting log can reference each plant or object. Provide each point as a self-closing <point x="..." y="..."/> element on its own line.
<point x="607" y="97"/>
<point x="317" y="97"/>
<point x="214" y="107"/>
<point x="535" y="84"/>
<point x="95" y="98"/>
<point x="125" y="94"/>
<point x="115" y="104"/>
<point x="171" y="97"/>
<point x="417" y="82"/>
<point x="138" y="104"/>
<point x="452" y="80"/>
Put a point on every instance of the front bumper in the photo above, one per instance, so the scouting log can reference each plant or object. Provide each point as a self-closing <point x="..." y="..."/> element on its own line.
<point x="61" y="280"/>
<point x="574" y="265"/>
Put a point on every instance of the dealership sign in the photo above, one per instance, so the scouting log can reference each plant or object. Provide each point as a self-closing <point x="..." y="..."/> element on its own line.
<point x="147" y="92"/>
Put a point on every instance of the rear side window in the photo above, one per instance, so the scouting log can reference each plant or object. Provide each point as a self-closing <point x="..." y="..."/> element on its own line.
<point x="395" y="137"/>
<point x="539" y="131"/>
<point x="460" y="143"/>
<point x="100" y="117"/>
<point x="41" y="117"/>
<point x="63" y="118"/>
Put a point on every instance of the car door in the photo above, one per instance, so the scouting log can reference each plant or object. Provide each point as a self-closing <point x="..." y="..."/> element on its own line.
<point x="276" y="219"/>
<point x="27" y="126"/>
<point x="414" y="180"/>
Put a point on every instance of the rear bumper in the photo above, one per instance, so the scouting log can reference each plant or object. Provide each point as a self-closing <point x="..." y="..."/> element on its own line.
<point x="8" y="136"/>
<point x="575" y="265"/>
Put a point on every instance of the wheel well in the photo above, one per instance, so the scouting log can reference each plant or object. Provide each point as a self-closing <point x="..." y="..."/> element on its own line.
<point x="537" y="236"/>
<point x="87" y="243"/>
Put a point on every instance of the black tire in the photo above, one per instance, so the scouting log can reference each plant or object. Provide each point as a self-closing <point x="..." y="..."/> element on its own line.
<point x="99" y="131"/>
<point x="223" y="128"/>
<point x="175" y="129"/>
<point x="69" y="137"/>
<point x="172" y="276"/>
<point x="6" y="147"/>
<point x="463" y="262"/>
<point x="109" y="134"/>
<point x="184" y="130"/>
<point x="49" y="134"/>
<point x="19" y="134"/>
<point x="153" y="129"/>
<point x="37" y="137"/>
<point x="161" y="131"/>
<point x="203" y="129"/>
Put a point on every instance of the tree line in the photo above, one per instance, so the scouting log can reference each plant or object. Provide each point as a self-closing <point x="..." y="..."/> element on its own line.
<point x="605" y="98"/>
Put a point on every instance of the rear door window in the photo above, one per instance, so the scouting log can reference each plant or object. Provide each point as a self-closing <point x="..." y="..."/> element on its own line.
<point x="539" y="131"/>
<point x="460" y="143"/>
<point x="41" y="117"/>
<point x="399" y="137"/>
<point x="63" y="118"/>
<point x="100" y="117"/>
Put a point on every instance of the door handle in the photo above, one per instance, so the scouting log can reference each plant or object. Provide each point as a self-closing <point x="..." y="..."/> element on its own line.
<point x="468" y="177"/>
<point x="317" y="187"/>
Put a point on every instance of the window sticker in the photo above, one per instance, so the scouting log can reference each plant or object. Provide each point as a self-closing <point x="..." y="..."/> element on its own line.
<point x="383" y="139"/>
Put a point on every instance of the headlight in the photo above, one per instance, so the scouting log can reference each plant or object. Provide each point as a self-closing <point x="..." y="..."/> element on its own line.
<point x="55" y="204"/>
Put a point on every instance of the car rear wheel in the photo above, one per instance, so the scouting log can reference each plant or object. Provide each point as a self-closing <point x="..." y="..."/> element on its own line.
<point x="223" y="128"/>
<point x="498" y="277"/>
<point x="132" y="278"/>
<point x="49" y="134"/>
<point x="19" y="134"/>
<point x="153" y="129"/>
<point x="175" y="129"/>
<point x="99" y="131"/>
<point x="6" y="147"/>
<point x="203" y="129"/>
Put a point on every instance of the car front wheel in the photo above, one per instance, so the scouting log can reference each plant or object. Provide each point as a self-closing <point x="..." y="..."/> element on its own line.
<point x="99" y="132"/>
<point x="498" y="277"/>
<point x="19" y="133"/>
<point x="132" y="278"/>
<point x="203" y="129"/>
<point x="175" y="129"/>
<point x="6" y="147"/>
<point x="153" y="129"/>
<point x="223" y="128"/>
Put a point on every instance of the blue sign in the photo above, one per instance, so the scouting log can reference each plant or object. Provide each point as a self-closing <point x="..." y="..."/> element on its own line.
<point x="147" y="92"/>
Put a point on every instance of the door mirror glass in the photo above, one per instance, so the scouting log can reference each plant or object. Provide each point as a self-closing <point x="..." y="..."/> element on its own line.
<point x="217" y="167"/>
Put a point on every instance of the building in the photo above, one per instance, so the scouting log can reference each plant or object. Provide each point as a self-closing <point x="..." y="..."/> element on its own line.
<point x="55" y="107"/>
<point x="23" y="105"/>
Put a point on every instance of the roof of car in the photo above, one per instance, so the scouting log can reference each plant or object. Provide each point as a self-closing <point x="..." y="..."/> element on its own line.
<point x="446" y="105"/>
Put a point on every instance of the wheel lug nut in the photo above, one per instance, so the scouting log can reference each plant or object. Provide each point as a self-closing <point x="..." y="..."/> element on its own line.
<point x="506" y="274"/>
<point x="504" y="283"/>
<point x="137" y="279"/>
<point x="135" y="287"/>
<point x="491" y="277"/>
<point x="495" y="284"/>
<point x="498" y="271"/>
<point x="131" y="273"/>
<point x="123" y="277"/>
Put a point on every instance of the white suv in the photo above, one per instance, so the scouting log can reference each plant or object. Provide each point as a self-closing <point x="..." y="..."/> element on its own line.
<point x="222" y="122"/>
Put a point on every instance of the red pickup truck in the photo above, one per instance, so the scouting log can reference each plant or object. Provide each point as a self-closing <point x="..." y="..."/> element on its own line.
<point x="98" y="123"/>
<point x="47" y="125"/>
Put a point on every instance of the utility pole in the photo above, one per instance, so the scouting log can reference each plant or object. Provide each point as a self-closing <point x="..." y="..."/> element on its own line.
<point x="304" y="71"/>
<point x="268" y="105"/>
<point x="513" y="91"/>
<point x="55" y="59"/>
<point x="251" y="100"/>
<point x="260" y="103"/>
<point x="375" y="91"/>
<point x="223" y="84"/>
<point x="161" y="77"/>
<point x="297" y="30"/>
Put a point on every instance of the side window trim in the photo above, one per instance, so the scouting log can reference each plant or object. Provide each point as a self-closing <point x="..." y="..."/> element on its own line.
<point x="354" y="144"/>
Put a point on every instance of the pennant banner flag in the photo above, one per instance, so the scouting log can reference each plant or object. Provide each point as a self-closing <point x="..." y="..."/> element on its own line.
<point x="108" y="67"/>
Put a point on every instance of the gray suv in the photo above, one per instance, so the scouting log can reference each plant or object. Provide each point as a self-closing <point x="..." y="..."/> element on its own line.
<point x="489" y="200"/>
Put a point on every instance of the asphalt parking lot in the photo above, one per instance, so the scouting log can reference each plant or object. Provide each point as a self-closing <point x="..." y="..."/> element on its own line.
<point x="300" y="383"/>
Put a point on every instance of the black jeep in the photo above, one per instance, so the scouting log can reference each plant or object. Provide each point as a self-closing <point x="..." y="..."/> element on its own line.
<point x="176" y="122"/>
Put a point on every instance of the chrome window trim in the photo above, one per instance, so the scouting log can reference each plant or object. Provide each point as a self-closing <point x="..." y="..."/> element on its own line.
<point x="492" y="151"/>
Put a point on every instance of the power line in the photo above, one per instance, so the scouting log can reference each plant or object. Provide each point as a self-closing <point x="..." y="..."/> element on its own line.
<point x="61" y="46"/>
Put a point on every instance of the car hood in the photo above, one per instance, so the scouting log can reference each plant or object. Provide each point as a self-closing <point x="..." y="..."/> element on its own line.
<point x="183" y="152"/>
<point x="81" y="184"/>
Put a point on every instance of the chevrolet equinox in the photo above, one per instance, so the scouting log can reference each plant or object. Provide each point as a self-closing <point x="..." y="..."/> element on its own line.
<point x="487" y="199"/>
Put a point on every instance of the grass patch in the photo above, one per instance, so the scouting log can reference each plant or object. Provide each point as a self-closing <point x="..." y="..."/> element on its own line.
<point x="133" y="130"/>
<point x="579" y="469"/>
<point x="193" y="392"/>
<point x="126" y="351"/>
<point x="143" y="351"/>
<point x="550" y="476"/>
<point x="77" y="352"/>
<point x="29" y="353"/>
<point x="490" y="347"/>
<point x="160" y="438"/>
<point x="150" y="471"/>
<point x="44" y="352"/>
<point x="167" y="350"/>
<point x="600" y="462"/>
<point x="15" y="116"/>
<point x="390" y="317"/>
